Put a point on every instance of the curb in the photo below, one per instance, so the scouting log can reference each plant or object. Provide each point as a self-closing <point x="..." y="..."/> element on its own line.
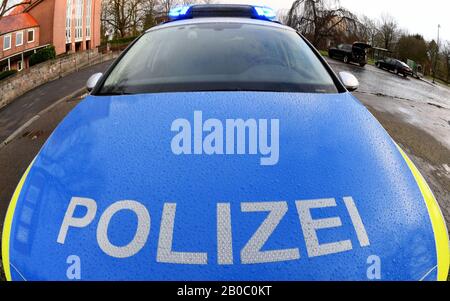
<point x="17" y="132"/>
<point x="427" y="82"/>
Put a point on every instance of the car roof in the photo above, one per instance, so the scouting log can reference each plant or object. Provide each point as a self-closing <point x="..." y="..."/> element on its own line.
<point x="206" y="20"/>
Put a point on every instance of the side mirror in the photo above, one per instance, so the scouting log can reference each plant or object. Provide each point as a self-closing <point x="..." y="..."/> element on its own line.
<point x="93" y="80"/>
<point x="349" y="80"/>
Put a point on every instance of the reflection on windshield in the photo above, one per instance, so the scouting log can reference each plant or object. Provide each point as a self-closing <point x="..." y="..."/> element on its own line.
<point x="219" y="57"/>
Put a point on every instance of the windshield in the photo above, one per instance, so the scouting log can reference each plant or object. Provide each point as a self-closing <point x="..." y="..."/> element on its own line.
<point x="219" y="57"/>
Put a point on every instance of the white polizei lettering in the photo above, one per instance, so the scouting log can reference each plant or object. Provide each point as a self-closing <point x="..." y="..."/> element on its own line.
<point x="357" y="222"/>
<point x="251" y="253"/>
<point x="165" y="254"/>
<point x="242" y="137"/>
<point x="310" y="226"/>
<point x="77" y="222"/>
<point x="140" y="237"/>
<point x="224" y="235"/>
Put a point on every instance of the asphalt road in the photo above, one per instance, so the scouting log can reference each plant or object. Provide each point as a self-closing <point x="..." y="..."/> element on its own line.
<point x="384" y="83"/>
<point x="31" y="103"/>
<point x="420" y="103"/>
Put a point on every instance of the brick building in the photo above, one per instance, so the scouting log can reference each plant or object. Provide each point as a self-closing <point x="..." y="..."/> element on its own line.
<point x="69" y="25"/>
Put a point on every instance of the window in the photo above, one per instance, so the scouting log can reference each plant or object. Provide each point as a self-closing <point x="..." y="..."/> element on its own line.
<point x="7" y="42"/>
<point x="79" y="21"/>
<point x="219" y="57"/>
<point x="19" y="38"/>
<point x="69" y="21"/>
<point x="19" y="65"/>
<point x="88" y="18"/>
<point x="30" y="35"/>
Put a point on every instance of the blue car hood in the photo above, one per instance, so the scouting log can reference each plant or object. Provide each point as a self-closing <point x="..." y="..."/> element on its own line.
<point x="373" y="222"/>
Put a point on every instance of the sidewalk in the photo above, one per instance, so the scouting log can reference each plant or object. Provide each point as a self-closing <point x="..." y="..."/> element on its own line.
<point x="28" y="105"/>
<point x="435" y="84"/>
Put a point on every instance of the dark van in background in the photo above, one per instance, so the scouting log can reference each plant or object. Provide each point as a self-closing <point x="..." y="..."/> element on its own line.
<point x="356" y="53"/>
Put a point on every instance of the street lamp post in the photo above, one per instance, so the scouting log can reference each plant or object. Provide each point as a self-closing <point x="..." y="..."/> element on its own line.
<point x="436" y="55"/>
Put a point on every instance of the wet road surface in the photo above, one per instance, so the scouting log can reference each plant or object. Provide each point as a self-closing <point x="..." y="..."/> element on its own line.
<point x="31" y="103"/>
<point x="419" y="103"/>
<point x="384" y="83"/>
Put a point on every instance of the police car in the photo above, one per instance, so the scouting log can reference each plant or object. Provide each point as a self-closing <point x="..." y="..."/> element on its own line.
<point x="221" y="146"/>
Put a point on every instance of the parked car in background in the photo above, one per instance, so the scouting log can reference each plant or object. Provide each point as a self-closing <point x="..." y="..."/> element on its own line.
<point x="356" y="52"/>
<point x="394" y="65"/>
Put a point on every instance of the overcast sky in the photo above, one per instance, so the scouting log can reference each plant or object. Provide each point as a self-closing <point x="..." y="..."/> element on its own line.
<point x="415" y="16"/>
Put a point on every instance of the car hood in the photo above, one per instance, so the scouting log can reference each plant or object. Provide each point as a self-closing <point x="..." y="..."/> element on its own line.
<point x="115" y="148"/>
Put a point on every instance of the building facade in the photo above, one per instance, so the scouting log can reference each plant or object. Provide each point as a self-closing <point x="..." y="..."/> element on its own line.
<point x="68" y="25"/>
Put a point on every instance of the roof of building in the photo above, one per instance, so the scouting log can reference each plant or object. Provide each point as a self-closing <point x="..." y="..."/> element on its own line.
<point x="16" y="22"/>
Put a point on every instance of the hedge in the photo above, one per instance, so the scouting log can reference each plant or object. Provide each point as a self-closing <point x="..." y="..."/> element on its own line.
<point x="6" y="74"/>
<point x="126" y="40"/>
<point x="43" y="55"/>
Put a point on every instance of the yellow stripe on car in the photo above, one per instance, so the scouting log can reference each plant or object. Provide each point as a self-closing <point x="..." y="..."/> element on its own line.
<point x="437" y="220"/>
<point x="8" y="224"/>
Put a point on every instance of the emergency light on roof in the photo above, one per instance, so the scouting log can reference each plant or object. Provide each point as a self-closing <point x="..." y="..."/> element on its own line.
<point x="179" y="12"/>
<point x="265" y="12"/>
<point x="222" y="10"/>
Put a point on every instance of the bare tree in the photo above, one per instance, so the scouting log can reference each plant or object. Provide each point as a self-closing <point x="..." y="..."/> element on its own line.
<point x="208" y="1"/>
<point x="320" y="19"/>
<point x="151" y="13"/>
<point x="446" y="58"/>
<point x="130" y="17"/>
<point x="283" y="15"/>
<point x="368" y="30"/>
<point x="124" y="16"/>
<point x="6" y="6"/>
<point x="191" y="2"/>
<point x="412" y="47"/>
<point x="389" y="30"/>
<point x="433" y="52"/>
<point x="167" y="5"/>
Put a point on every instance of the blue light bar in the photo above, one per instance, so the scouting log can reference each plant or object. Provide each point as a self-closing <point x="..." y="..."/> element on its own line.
<point x="265" y="13"/>
<point x="179" y="12"/>
<point x="222" y="10"/>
